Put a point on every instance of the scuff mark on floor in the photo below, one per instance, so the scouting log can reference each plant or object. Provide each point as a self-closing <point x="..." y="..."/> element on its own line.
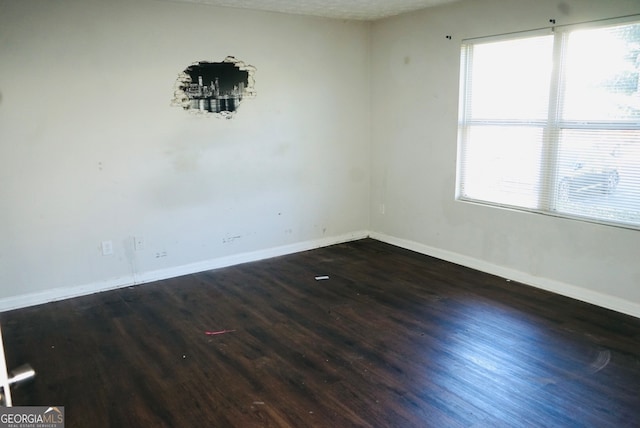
<point x="600" y="362"/>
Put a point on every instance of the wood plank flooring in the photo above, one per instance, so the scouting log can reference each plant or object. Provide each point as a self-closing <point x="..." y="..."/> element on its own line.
<point x="391" y="339"/>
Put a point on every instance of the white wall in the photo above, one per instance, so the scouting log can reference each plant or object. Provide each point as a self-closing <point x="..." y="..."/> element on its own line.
<point x="415" y="75"/>
<point x="91" y="150"/>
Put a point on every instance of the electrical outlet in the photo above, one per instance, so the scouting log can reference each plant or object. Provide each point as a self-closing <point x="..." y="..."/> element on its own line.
<point x="107" y="248"/>
<point x="138" y="243"/>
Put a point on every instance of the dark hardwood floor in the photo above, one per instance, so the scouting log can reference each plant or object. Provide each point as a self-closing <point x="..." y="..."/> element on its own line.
<point x="391" y="339"/>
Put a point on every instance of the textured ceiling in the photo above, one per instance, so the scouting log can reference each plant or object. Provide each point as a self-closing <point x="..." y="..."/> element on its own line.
<point x="342" y="9"/>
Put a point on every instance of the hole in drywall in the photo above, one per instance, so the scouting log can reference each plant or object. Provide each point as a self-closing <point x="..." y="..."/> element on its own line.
<point x="214" y="88"/>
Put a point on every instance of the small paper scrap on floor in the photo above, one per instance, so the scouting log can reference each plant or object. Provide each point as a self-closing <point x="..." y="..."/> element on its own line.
<point x="320" y="278"/>
<point x="214" y="333"/>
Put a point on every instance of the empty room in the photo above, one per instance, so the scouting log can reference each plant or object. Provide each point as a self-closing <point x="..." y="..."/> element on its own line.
<point x="411" y="213"/>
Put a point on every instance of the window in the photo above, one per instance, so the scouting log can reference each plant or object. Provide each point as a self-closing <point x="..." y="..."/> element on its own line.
<point x="551" y="123"/>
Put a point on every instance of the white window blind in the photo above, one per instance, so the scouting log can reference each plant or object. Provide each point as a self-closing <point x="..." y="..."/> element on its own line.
<point x="551" y="123"/>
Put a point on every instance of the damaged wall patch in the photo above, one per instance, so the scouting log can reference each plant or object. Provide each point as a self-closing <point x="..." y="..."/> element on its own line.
<point x="214" y="88"/>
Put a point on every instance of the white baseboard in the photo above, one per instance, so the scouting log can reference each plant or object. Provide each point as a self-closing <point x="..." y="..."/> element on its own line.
<point x="55" y="294"/>
<point x="604" y="300"/>
<point x="252" y="256"/>
<point x="572" y="291"/>
<point x="32" y="299"/>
